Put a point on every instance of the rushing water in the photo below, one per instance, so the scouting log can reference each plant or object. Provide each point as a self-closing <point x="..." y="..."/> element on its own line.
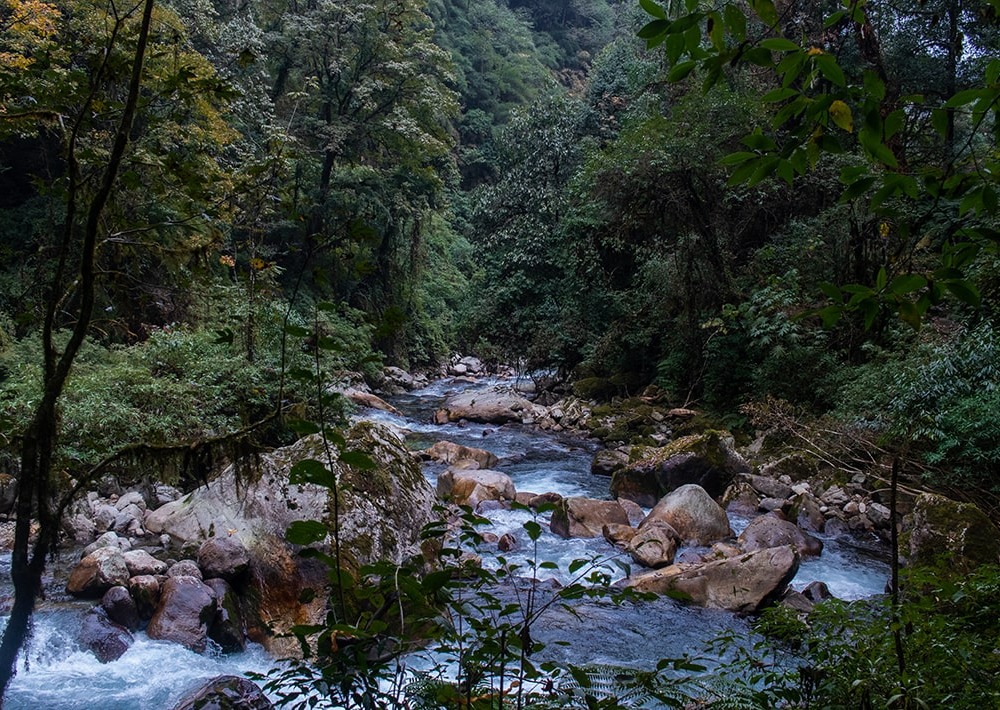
<point x="57" y="674"/>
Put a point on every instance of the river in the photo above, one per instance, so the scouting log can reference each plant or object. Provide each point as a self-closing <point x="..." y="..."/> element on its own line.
<point x="56" y="674"/>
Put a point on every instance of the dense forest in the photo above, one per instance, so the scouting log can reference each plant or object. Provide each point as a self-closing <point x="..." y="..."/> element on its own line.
<point x="758" y="211"/>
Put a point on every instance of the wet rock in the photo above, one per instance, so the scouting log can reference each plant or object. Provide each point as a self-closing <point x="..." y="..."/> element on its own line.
<point x="226" y="627"/>
<point x="548" y="498"/>
<point x="227" y="692"/>
<point x="771" y="531"/>
<point x="817" y="592"/>
<point x="186" y="608"/>
<point x="97" y="573"/>
<point x="145" y="591"/>
<point x="507" y="542"/>
<point x="103" y="637"/>
<point x="741" y="499"/>
<point x="741" y="584"/>
<point x="633" y="510"/>
<point x="585" y="517"/>
<point x="473" y="486"/>
<point x="367" y="399"/>
<point x="224" y="557"/>
<point x="121" y="608"/>
<point x="693" y="514"/>
<point x="654" y="545"/>
<point x="769" y="505"/>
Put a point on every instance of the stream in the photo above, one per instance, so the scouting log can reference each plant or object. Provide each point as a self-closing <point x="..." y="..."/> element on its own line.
<point x="56" y="674"/>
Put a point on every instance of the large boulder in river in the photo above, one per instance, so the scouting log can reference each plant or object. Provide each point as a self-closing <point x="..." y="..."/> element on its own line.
<point x="464" y="486"/>
<point x="226" y="692"/>
<point x="487" y="407"/>
<point x="771" y="531"/>
<point x="957" y="534"/>
<point x="187" y="607"/>
<point x="97" y="572"/>
<point x="452" y="453"/>
<point x="744" y="583"/>
<point x="693" y="514"/>
<point x="382" y="510"/>
<point x="103" y="637"/>
<point x="586" y="517"/>
<point x="708" y="460"/>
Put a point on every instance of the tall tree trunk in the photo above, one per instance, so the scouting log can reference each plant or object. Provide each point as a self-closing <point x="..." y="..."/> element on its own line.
<point x="39" y="442"/>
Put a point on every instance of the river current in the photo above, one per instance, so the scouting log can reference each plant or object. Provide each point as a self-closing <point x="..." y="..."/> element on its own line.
<point x="56" y="674"/>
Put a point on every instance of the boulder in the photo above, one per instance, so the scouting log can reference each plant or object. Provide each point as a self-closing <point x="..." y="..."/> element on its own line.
<point x="145" y="591"/>
<point x="744" y="583"/>
<point x="224" y="557"/>
<point x="806" y="512"/>
<point x="797" y="466"/>
<point x="473" y="486"/>
<point x="382" y="511"/>
<point x="131" y="498"/>
<point x="769" y="487"/>
<point x="451" y="453"/>
<point x="367" y="399"/>
<point x="185" y="568"/>
<point x="108" y="539"/>
<point x="618" y="535"/>
<point x="693" y="514"/>
<point x="140" y="562"/>
<point x="708" y="460"/>
<point x="607" y="461"/>
<point x="491" y="407"/>
<point x="226" y="692"/>
<point x="654" y="545"/>
<point x="103" y="637"/>
<point x="121" y="608"/>
<point x="226" y="627"/>
<point x="741" y="499"/>
<point x="633" y="510"/>
<point x="956" y="534"/>
<point x="586" y="517"/>
<point x="772" y="531"/>
<point x="187" y="607"/>
<point x="97" y="573"/>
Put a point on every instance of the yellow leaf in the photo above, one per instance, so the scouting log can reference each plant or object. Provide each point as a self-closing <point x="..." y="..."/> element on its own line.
<point x="841" y="115"/>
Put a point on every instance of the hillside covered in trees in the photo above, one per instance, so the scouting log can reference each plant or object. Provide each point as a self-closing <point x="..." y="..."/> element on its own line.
<point x="761" y="212"/>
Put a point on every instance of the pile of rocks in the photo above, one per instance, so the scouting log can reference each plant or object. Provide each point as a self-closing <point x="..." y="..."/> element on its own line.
<point x="188" y="601"/>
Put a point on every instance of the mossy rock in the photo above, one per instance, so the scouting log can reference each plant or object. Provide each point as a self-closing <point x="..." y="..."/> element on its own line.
<point x="597" y="388"/>
<point x="708" y="460"/>
<point x="955" y="536"/>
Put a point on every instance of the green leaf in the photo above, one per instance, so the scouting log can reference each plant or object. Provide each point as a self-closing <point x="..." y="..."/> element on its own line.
<point x="737" y="158"/>
<point x="964" y="291"/>
<point x="302" y="427"/>
<point x="736" y="22"/>
<point x="779" y="44"/>
<point x="765" y="10"/>
<point x="296" y="331"/>
<point x="772" y="97"/>
<point x="310" y="471"/>
<point x="834" y="19"/>
<point x="829" y="67"/>
<point x="907" y="283"/>
<point x="654" y="29"/>
<point x="653" y="9"/>
<point x="680" y="71"/>
<point x="533" y="529"/>
<point x="358" y="459"/>
<point x="306" y="532"/>
<point x="963" y="98"/>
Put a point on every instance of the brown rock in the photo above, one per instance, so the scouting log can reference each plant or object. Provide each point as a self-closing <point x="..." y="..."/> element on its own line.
<point x="585" y="517"/>
<point x="771" y="531"/>
<point x="741" y="584"/>
<point x="471" y="487"/>
<point x="224" y="557"/>
<point x="140" y="562"/>
<point x="654" y="545"/>
<point x="617" y="534"/>
<point x="693" y="514"/>
<point x="145" y="590"/>
<point x="97" y="572"/>
<point x="451" y="453"/>
<point x="186" y="609"/>
<point x="106" y="639"/>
